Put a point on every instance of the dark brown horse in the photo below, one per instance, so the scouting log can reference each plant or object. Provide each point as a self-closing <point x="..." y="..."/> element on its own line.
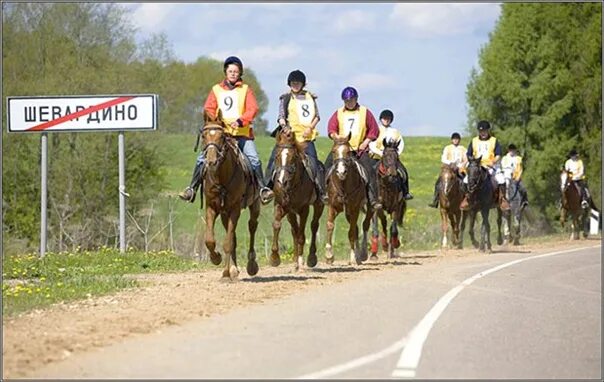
<point x="294" y="194"/>
<point x="346" y="192"/>
<point x="450" y="195"/>
<point x="571" y="205"/>
<point x="390" y="193"/>
<point x="228" y="188"/>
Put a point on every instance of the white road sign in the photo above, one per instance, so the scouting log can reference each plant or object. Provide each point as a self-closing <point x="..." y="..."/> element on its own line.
<point x="82" y="113"/>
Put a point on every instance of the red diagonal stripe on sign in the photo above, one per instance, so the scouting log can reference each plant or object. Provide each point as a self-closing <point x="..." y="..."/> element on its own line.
<point x="80" y="113"/>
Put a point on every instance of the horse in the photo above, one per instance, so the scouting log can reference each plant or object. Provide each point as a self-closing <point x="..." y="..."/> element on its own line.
<point x="346" y="192"/>
<point x="294" y="192"/>
<point x="390" y="192"/>
<point x="512" y="218"/>
<point x="450" y="195"/>
<point x="481" y="197"/>
<point x="571" y="205"/>
<point x="228" y="187"/>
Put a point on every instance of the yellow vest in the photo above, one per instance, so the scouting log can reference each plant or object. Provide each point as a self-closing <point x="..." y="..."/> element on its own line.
<point x="353" y="121"/>
<point x="484" y="148"/>
<point x="575" y="168"/>
<point x="232" y="105"/>
<point x="514" y="163"/>
<point x="377" y="147"/>
<point x="300" y="114"/>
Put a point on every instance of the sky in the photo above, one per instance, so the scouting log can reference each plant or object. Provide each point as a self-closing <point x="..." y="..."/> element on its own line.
<point x="412" y="58"/>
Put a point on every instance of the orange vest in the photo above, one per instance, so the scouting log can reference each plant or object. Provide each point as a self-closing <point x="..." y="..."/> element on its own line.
<point x="231" y="104"/>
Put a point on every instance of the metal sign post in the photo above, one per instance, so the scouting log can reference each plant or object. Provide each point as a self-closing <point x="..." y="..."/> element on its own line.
<point x="82" y="113"/>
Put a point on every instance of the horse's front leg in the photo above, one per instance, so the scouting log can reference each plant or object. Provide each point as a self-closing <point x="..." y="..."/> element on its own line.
<point x="394" y="242"/>
<point x="444" y="226"/>
<point x="485" y="230"/>
<point x="230" y="246"/>
<point x="300" y="238"/>
<point x="384" y="237"/>
<point x="275" y="259"/>
<point x="454" y="218"/>
<point x="366" y="225"/>
<point x="471" y="229"/>
<point x="331" y="217"/>
<point x="516" y="224"/>
<point x="252" y="265"/>
<point x="375" y="231"/>
<point x="352" y="215"/>
<point x="215" y="256"/>
<point x="318" y="207"/>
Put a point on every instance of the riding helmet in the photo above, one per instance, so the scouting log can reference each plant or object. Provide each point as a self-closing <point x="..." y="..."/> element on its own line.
<point x="512" y="146"/>
<point x="484" y="125"/>
<point x="349" y="92"/>
<point x="455" y="136"/>
<point x="233" y="60"/>
<point x="296" y="76"/>
<point x="572" y="153"/>
<point x="387" y="114"/>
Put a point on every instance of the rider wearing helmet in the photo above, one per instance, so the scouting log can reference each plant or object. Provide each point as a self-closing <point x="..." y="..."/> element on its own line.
<point x="376" y="148"/>
<point x="487" y="147"/>
<point x="511" y="164"/>
<point x="574" y="166"/>
<point x="237" y="103"/>
<point x="452" y="154"/>
<point x="361" y="124"/>
<point x="298" y="109"/>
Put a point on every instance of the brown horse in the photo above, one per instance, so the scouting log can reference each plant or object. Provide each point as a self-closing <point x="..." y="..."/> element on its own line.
<point x="294" y="194"/>
<point x="571" y="205"/>
<point x="228" y="188"/>
<point x="346" y="192"/>
<point x="390" y="193"/>
<point x="450" y="195"/>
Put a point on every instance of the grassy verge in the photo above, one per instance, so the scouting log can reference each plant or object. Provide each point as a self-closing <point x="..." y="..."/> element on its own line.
<point x="30" y="282"/>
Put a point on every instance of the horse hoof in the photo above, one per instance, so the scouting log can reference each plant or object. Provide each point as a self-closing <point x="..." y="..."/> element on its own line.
<point x="384" y="241"/>
<point x="216" y="258"/>
<point x="500" y="241"/>
<point x="252" y="268"/>
<point x="275" y="260"/>
<point x="373" y="258"/>
<point x="312" y="260"/>
<point x="329" y="260"/>
<point x="234" y="273"/>
<point x="395" y="242"/>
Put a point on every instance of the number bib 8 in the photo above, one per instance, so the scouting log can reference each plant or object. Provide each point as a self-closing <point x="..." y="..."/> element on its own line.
<point x="306" y="111"/>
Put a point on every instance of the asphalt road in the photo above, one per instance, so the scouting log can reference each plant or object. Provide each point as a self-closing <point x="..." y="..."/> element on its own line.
<point x="470" y="317"/>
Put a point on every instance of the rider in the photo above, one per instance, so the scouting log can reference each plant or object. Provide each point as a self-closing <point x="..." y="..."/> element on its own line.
<point x="360" y="122"/>
<point x="452" y="154"/>
<point x="238" y="105"/>
<point x="298" y="109"/>
<point x="488" y="148"/>
<point x="574" y="166"/>
<point x="376" y="147"/>
<point x="512" y="162"/>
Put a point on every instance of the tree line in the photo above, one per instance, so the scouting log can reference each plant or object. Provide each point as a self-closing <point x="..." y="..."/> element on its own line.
<point x="81" y="49"/>
<point x="539" y="83"/>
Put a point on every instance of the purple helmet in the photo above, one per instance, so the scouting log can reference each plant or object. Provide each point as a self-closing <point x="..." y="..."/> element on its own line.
<point x="349" y="92"/>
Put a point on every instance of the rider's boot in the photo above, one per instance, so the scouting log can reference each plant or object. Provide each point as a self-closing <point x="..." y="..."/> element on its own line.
<point x="266" y="194"/>
<point x="503" y="202"/>
<point x="196" y="182"/>
<point x="434" y="203"/>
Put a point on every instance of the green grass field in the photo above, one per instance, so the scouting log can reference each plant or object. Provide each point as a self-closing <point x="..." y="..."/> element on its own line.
<point x="421" y="228"/>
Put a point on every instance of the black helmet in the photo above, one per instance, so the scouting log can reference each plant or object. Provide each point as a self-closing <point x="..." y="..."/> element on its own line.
<point x="233" y="60"/>
<point x="296" y="76"/>
<point x="483" y="125"/>
<point x="387" y="114"/>
<point x="512" y="146"/>
<point x="572" y="153"/>
<point x="455" y="136"/>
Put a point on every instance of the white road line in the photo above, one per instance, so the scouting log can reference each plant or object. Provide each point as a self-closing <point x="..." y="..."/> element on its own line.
<point x="407" y="364"/>
<point x="411" y="354"/>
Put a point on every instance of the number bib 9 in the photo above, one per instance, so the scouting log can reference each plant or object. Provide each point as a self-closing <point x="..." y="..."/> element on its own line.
<point x="228" y="103"/>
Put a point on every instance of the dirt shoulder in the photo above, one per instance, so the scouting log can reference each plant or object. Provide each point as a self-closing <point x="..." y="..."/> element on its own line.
<point x="37" y="338"/>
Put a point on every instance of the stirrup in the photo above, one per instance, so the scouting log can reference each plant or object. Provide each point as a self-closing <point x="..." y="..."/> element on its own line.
<point x="264" y="198"/>
<point x="584" y="204"/>
<point x="187" y="195"/>
<point x="408" y="196"/>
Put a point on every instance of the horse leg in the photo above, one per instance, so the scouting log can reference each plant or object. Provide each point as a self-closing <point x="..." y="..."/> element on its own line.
<point x="396" y="217"/>
<point x="353" y="235"/>
<point x="517" y="219"/>
<point x="444" y="227"/>
<point x="275" y="259"/>
<point x="252" y="265"/>
<point x="215" y="256"/>
<point x="331" y="217"/>
<point x="471" y="229"/>
<point x="455" y="217"/>
<point x="374" y="236"/>
<point x="384" y="223"/>
<point x="301" y="237"/>
<point x="499" y="219"/>
<point x="485" y="232"/>
<point x="366" y="226"/>
<point x="230" y="246"/>
<point x="311" y="261"/>
<point x="462" y="227"/>
<point x="292" y="218"/>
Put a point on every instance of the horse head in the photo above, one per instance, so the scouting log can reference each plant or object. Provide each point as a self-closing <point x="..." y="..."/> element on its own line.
<point x="214" y="138"/>
<point x="342" y="155"/>
<point x="286" y="157"/>
<point x="389" y="164"/>
<point x="476" y="174"/>
<point x="565" y="179"/>
<point x="448" y="177"/>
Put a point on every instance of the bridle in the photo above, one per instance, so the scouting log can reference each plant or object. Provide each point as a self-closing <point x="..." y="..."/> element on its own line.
<point x="220" y="150"/>
<point x="288" y="169"/>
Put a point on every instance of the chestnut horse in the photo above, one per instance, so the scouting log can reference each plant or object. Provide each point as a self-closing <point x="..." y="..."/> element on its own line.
<point x="571" y="205"/>
<point x="228" y="188"/>
<point x="294" y="194"/>
<point x="346" y="192"/>
<point x="390" y="193"/>
<point x="450" y="195"/>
